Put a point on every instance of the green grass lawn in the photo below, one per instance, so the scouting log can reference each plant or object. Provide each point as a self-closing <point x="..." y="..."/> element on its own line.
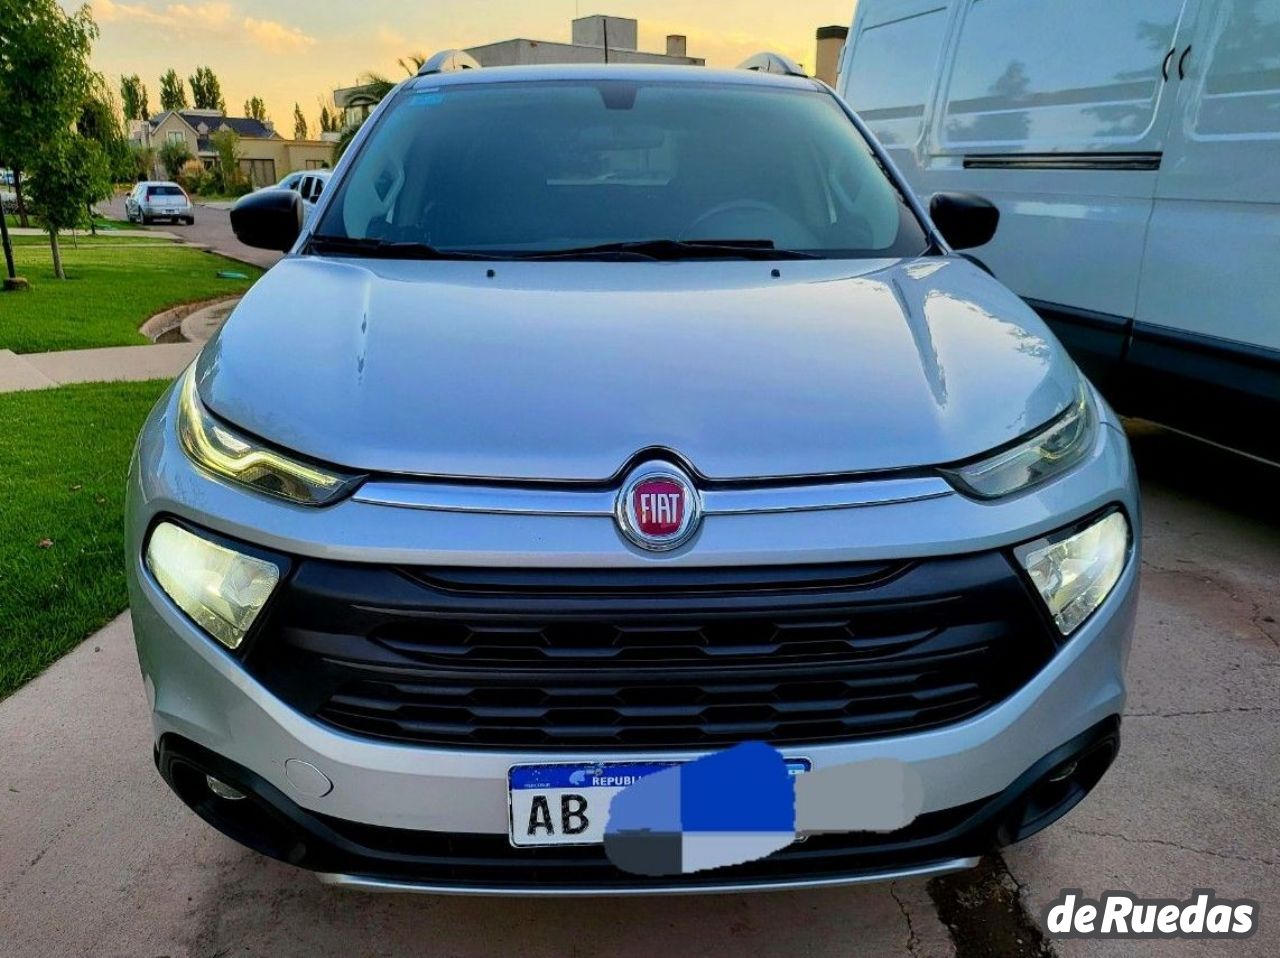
<point x="66" y="242"/>
<point x="109" y="224"/>
<point x="112" y="287"/>
<point x="101" y="221"/>
<point x="64" y="454"/>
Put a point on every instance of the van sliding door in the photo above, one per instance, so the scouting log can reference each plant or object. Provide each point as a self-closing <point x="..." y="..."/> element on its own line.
<point x="1206" y="345"/>
<point x="890" y="69"/>
<point x="1057" y="110"/>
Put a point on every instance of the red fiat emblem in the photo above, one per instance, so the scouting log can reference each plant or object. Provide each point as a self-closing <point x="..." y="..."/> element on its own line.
<point x="658" y="508"/>
<point x="658" y="505"/>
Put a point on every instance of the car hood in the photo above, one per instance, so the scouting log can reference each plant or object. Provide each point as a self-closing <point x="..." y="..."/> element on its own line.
<point x="567" y="370"/>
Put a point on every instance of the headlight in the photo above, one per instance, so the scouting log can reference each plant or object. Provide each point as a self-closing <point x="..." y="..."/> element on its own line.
<point x="221" y="450"/>
<point x="1053" y="450"/>
<point x="1074" y="574"/>
<point x="221" y="589"/>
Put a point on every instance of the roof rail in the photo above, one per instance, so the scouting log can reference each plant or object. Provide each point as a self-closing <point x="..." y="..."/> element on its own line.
<point x="772" y="63"/>
<point x="449" y="61"/>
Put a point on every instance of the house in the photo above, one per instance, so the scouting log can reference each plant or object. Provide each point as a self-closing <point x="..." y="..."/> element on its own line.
<point x="265" y="156"/>
<point x="594" y="39"/>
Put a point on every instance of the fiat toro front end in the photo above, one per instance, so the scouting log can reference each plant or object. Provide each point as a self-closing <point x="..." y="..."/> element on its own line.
<point x="582" y="432"/>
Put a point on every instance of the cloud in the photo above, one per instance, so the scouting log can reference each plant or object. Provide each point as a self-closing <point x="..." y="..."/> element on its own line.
<point x="216" y="17"/>
<point x="276" y="37"/>
<point x="106" y="11"/>
<point x="213" y="18"/>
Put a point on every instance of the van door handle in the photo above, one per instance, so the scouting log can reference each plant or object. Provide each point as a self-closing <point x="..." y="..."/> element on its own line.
<point x="1182" y="62"/>
<point x="1164" y="67"/>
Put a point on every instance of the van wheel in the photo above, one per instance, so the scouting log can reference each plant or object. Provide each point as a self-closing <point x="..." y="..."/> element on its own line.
<point x="191" y="221"/>
<point x="146" y="220"/>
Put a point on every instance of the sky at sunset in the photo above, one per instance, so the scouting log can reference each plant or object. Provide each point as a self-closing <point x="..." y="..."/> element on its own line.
<point x="299" y="50"/>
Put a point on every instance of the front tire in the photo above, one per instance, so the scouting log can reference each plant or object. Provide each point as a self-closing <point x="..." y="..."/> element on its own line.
<point x="190" y="221"/>
<point x="146" y="220"/>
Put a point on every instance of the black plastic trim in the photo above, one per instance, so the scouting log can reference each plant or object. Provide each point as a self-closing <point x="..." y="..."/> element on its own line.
<point x="270" y="823"/>
<point x="1119" y="162"/>
<point x="616" y="661"/>
<point x="1096" y="341"/>
<point x="1224" y="391"/>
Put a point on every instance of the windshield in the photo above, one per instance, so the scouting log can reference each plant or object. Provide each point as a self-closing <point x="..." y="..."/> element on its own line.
<point x="164" y="191"/>
<point x="532" y="168"/>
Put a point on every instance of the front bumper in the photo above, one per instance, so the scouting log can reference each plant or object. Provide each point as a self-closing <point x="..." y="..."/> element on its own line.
<point x="977" y="773"/>
<point x="391" y="859"/>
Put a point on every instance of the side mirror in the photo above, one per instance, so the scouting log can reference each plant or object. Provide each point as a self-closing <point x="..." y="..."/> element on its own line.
<point x="965" y="220"/>
<point x="268" y="219"/>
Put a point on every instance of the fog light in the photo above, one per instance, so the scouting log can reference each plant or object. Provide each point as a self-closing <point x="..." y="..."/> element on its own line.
<point x="222" y="789"/>
<point x="1075" y="573"/>
<point x="1064" y="772"/>
<point x="221" y="589"/>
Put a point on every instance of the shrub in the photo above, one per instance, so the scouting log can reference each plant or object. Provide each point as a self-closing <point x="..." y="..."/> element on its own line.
<point x="173" y="156"/>
<point x="227" y="166"/>
<point x="192" y="177"/>
<point x="239" y="185"/>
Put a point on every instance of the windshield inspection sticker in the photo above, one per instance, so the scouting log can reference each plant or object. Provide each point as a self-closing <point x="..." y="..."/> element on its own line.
<point x="1120" y="914"/>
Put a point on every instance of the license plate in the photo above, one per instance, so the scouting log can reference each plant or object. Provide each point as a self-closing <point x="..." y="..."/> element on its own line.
<point x="568" y="804"/>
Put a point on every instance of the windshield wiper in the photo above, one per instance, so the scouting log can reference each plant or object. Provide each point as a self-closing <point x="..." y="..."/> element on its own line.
<point x="670" y="249"/>
<point x="386" y="249"/>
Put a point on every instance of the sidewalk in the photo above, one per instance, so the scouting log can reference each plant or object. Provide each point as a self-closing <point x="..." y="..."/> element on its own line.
<point x="47" y="370"/>
<point x="120" y="363"/>
<point x="147" y="234"/>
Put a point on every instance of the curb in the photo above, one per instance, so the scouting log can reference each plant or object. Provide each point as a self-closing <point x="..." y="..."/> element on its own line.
<point x="171" y="319"/>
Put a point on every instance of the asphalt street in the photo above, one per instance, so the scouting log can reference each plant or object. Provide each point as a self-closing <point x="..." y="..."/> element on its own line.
<point x="212" y="228"/>
<point x="97" y="858"/>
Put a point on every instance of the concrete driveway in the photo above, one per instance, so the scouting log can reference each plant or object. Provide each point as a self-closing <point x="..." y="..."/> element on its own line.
<point x="97" y="858"/>
<point x="212" y="228"/>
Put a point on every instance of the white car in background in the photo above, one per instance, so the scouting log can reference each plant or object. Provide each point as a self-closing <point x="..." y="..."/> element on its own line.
<point x="308" y="184"/>
<point x="153" y="200"/>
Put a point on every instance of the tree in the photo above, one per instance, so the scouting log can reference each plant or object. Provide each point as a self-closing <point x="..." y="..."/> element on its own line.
<point x="172" y="156"/>
<point x="373" y="91"/>
<point x="206" y="91"/>
<point x="144" y="162"/>
<point x="299" y="123"/>
<point x="44" y="77"/>
<point x="69" y="174"/>
<point x="173" y="95"/>
<point x="255" y="109"/>
<point x="133" y="98"/>
<point x="100" y="121"/>
<point x="227" y="145"/>
<point x="329" y="116"/>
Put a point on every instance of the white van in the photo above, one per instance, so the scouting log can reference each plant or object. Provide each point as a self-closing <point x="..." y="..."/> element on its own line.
<point x="1133" y="149"/>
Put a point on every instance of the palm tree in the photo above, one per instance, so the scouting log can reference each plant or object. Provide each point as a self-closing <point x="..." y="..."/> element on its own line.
<point x="373" y="91"/>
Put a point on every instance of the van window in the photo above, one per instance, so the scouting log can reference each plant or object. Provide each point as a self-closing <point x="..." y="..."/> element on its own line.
<point x="1058" y="74"/>
<point x="891" y="70"/>
<point x="1241" y="93"/>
